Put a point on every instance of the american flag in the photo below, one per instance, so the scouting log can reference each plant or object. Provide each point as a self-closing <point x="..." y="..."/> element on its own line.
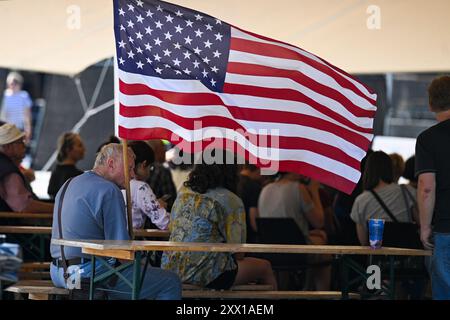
<point x="178" y="66"/>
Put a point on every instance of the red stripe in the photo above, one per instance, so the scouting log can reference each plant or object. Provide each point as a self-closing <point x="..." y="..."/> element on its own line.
<point x="334" y="68"/>
<point x="300" y="78"/>
<point x="261" y="140"/>
<point x="312" y="171"/>
<point x="293" y="95"/>
<point x="275" y="51"/>
<point x="250" y="114"/>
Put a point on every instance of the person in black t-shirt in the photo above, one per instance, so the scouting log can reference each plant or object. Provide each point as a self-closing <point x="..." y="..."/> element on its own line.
<point x="249" y="188"/>
<point x="70" y="150"/>
<point x="433" y="196"/>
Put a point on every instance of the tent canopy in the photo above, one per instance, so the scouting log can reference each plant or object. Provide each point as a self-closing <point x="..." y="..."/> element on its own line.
<point x="413" y="35"/>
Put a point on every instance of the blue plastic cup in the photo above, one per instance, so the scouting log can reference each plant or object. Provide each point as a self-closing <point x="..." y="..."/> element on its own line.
<point x="376" y="227"/>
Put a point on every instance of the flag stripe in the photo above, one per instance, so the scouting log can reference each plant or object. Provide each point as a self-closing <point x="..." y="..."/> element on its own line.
<point x="341" y="75"/>
<point x="273" y="154"/>
<point x="266" y="71"/>
<point x="315" y="172"/>
<point x="287" y="133"/>
<point x="290" y="61"/>
<point x="294" y="95"/>
<point x="279" y="82"/>
<point x="307" y="142"/>
<point x="297" y="105"/>
<point x="170" y="100"/>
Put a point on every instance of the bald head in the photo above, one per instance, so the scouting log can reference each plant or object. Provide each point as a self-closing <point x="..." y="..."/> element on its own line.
<point x="109" y="163"/>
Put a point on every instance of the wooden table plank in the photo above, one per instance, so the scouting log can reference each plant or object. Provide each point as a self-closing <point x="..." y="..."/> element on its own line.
<point x="229" y="247"/>
<point x="26" y="229"/>
<point x="155" y="233"/>
<point x="26" y="215"/>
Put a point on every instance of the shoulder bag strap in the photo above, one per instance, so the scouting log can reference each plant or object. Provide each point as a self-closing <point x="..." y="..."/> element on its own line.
<point x="60" y="203"/>
<point x="405" y="199"/>
<point x="383" y="205"/>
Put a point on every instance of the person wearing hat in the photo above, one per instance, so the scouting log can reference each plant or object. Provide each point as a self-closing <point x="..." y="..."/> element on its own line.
<point x="16" y="105"/>
<point x="15" y="193"/>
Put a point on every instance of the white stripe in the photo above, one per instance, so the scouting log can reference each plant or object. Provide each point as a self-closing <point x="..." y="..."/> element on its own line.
<point x="284" y="83"/>
<point x="274" y="154"/>
<point x="303" y="69"/>
<point x="285" y="130"/>
<point x="242" y="35"/>
<point x="195" y="86"/>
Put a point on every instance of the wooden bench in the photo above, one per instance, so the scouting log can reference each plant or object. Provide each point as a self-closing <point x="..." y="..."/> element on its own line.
<point x="271" y="295"/>
<point x="34" y="271"/>
<point x="258" y="291"/>
<point x="37" y="289"/>
<point x="43" y="290"/>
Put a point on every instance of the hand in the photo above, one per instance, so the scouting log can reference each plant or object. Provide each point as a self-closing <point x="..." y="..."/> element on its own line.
<point x="425" y="237"/>
<point x="28" y="174"/>
<point x="162" y="203"/>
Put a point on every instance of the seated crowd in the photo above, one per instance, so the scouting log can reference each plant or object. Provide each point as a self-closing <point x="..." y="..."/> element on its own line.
<point x="217" y="203"/>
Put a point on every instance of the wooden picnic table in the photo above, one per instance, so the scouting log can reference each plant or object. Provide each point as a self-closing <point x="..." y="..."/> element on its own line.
<point x="131" y="250"/>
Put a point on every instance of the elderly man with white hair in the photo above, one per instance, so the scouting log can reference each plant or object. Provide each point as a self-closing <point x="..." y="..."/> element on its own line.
<point x="92" y="207"/>
<point x="15" y="193"/>
<point x="16" y="105"/>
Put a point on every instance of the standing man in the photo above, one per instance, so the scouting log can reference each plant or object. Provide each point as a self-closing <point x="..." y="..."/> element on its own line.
<point x="93" y="208"/>
<point x="433" y="194"/>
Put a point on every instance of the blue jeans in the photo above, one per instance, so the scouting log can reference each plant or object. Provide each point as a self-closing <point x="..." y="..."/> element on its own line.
<point x="158" y="284"/>
<point x="440" y="267"/>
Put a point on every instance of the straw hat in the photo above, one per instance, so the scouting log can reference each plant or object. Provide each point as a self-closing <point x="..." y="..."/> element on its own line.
<point x="10" y="133"/>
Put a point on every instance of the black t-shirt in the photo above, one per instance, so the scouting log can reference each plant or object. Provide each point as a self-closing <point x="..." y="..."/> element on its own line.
<point x="248" y="191"/>
<point x="433" y="155"/>
<point x="61" y="174"/>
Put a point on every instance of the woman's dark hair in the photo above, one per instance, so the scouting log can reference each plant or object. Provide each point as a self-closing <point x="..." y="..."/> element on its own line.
<point x="65" y="144"/>
<point x="143" y="152"/>
<point x="409" y="172"/>
<point x="378" y="167"/>
<point x="210" y="176"/>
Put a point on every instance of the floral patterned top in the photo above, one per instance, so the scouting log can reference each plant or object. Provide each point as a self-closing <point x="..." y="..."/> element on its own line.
<point x="144" y="204"/>
<point x="217" y="216"/>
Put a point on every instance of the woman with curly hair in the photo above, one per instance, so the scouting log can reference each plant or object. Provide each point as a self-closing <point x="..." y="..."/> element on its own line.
<point x="208" y="210"/>
<point x="70" y="150"/>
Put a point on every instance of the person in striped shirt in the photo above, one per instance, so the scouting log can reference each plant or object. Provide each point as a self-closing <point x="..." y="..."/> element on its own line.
<point x="16" y="105"/>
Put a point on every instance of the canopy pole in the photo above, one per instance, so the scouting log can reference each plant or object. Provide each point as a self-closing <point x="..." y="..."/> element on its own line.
<point x="127" y="187"/>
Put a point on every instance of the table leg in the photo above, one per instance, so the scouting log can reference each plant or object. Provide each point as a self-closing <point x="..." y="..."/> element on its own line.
<point x="136" y="276"/>
<point x="91" y="285"/>
<point x="392" y="277"/>
<point x="344" y="278"/>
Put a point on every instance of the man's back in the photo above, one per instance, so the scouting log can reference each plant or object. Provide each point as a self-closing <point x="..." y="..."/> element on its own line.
<point x="93" y="208"/>
<point x="433" y="155"/>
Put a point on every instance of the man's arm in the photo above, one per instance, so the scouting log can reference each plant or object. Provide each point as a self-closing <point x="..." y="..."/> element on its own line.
<point x="426" y="195"/>
<point x="27" y="123"/>
<point x="362" y="234"/>
<point x="19" y="199"/>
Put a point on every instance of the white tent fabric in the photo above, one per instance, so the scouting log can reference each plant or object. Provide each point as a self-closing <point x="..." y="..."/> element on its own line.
<point x="413" y="35"/>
